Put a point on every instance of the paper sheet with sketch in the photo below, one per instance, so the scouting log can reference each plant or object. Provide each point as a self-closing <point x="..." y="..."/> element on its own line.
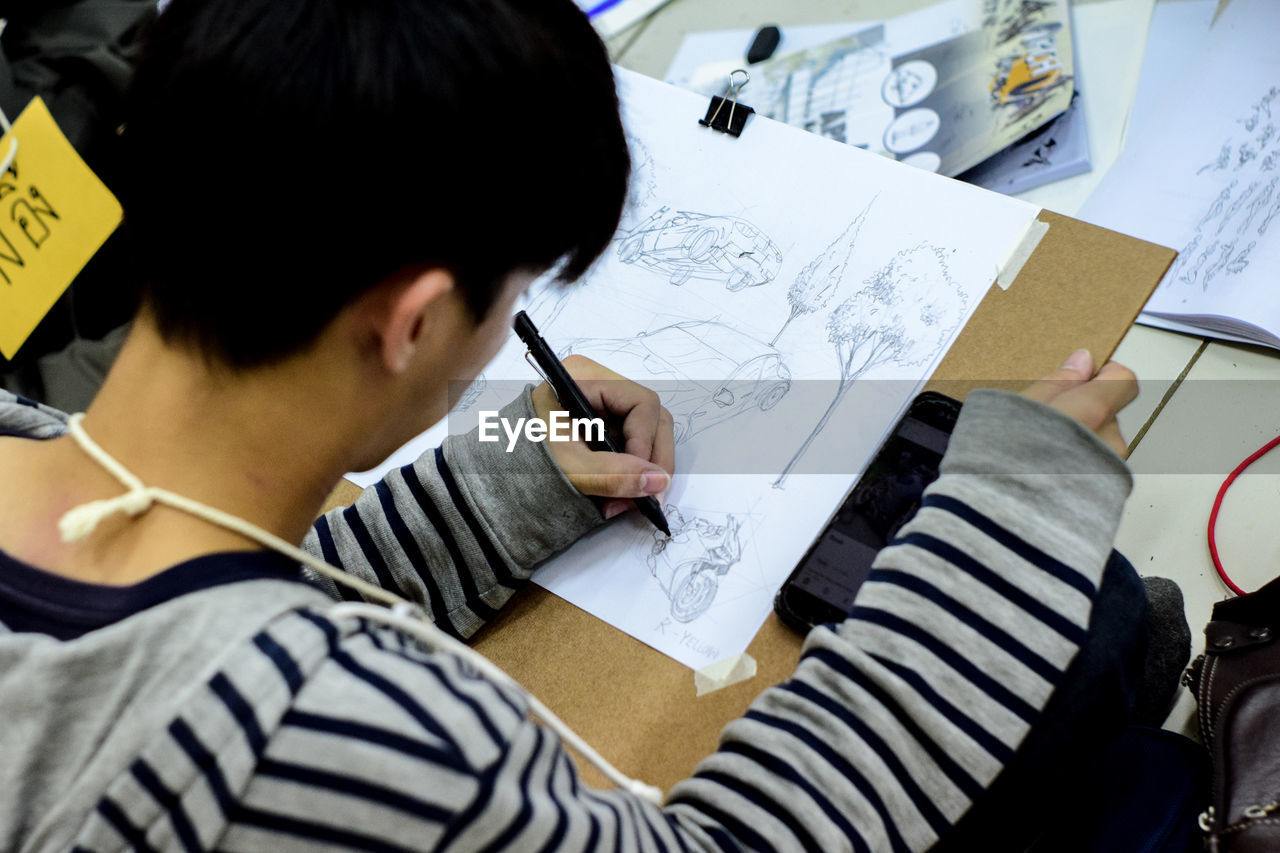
<point x="1178" y="31"/>
<point x="760" y="284"/>
<point x="1201" y="173"/>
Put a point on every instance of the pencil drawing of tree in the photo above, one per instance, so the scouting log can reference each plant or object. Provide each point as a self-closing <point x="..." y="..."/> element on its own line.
<point x="817" y="283"/>
<point x="642" y="187"/>
<point x="904" y="314"/>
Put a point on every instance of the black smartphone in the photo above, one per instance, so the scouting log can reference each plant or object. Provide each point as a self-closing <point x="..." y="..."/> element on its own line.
<point x="822" y="586"/>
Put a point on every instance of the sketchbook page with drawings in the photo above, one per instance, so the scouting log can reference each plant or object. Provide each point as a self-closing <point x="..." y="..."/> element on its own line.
<point x="786" y="296"/>
<point x="1203" y="176"/>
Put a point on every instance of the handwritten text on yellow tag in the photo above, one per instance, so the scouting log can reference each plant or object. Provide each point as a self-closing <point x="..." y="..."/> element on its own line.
<point x="54" y="214"/>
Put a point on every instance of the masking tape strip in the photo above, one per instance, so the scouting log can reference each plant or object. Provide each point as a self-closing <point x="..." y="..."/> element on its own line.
<point x="1021" y="251"/>
<point x="722" y="673"/>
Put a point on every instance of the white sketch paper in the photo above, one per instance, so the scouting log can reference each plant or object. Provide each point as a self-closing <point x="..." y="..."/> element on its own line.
<point x="762" y="285"/>
<point x="1200" y="174"/>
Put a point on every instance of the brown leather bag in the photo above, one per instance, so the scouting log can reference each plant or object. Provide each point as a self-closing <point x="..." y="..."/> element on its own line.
<point x="1236" y="683"/>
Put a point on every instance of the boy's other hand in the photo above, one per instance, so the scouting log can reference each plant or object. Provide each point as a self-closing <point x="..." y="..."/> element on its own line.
<point x="644" y="468"/>
<point x="1090" y="396"/>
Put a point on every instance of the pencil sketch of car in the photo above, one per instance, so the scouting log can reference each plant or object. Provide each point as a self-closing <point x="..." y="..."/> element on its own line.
<point x="705" y="371"/>
<point x="688" y="245"/>
<point x="689" y="563"/>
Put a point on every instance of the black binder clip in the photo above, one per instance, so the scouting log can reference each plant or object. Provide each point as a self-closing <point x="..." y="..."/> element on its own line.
<point x="735" y="119"/>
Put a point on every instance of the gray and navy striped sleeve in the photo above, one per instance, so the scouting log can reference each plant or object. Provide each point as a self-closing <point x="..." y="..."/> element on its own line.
<point x="29" y="419"/>
<point x="897" y="719"/>
<point x="460" y="529"/>
<point x="894" y="722"/>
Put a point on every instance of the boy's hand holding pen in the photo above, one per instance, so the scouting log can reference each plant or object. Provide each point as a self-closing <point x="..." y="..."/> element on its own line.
<point x="631" y="468"/>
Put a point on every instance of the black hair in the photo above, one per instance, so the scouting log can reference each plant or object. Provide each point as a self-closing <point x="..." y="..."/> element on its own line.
<point x="283" y="156"/>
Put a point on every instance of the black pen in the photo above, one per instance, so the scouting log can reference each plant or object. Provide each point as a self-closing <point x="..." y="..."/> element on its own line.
<point x="571" y="397"/>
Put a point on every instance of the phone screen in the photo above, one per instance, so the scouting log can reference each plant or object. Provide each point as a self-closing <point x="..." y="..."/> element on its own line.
<point x="825" y="581"/>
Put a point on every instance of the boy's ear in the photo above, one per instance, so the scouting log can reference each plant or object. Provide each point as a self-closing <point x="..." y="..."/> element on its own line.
<point x="406" y="312"/>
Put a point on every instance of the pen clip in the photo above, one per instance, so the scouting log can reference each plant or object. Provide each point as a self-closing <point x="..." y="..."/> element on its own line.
<point x="528" y="356"/>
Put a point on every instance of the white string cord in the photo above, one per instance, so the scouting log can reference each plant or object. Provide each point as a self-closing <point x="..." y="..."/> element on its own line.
<point x="79" y="522"/>
<point x="13" y="145"/>
<point x="10" y="157"/>
<point x="405" y="616"/>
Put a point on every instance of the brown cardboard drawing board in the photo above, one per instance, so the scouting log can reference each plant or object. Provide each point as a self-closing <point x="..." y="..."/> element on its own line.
<point x="1082" y="286"/>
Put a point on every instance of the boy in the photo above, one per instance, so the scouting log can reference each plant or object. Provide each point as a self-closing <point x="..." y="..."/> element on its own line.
<point x="336" y="205"/>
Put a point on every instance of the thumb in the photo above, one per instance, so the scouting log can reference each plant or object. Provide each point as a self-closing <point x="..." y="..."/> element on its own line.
<point x="616" y="475"/>
<point x="1078" y="369"/>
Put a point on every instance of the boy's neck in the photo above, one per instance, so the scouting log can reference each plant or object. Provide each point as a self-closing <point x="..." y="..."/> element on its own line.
<point x="234" y="443"/>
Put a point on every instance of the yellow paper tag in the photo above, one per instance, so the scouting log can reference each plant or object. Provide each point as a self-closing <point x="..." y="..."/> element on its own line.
<point x="54" y="214"/>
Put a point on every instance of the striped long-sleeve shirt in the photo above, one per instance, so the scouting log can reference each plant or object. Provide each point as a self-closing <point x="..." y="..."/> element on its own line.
<point x="218" y="706"/>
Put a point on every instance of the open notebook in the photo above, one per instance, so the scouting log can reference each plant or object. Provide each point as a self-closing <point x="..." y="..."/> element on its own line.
<point x="1201" y="173"/>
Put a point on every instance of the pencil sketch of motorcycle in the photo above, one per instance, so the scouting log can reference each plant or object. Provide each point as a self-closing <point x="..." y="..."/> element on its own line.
<point x="685" y="246"/>
<point x="688" y="565"/>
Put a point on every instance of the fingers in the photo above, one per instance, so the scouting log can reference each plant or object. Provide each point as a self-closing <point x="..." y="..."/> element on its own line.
<point x="1078" y="368"/>
<point x="1116" y="385"/>
<point x="644" y="467"/>
<point x="1111" y="436"/>
<point x="641" y="412"/>
<point x="614" y="507"/>
<point x="645" y="425"/>
<point x="1097" y="402"/>
<point x="1091" y="398"/>
<point x="582" y="369"/>
<point x="611" y="475"/>
<point x="614" y="396"/>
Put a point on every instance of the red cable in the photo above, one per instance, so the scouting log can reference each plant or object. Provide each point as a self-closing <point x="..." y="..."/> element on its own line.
<point x="1217" y="505"/>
